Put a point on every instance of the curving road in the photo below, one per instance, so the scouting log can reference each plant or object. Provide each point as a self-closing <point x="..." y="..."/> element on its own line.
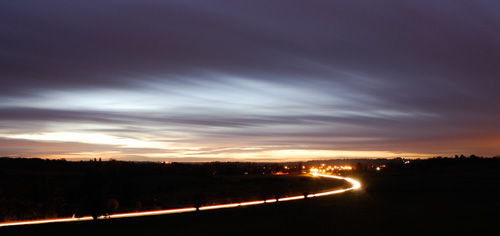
<point x="355" y="185"/>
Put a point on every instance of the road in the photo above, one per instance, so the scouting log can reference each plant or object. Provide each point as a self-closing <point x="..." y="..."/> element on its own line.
<point x="355" y="185"/>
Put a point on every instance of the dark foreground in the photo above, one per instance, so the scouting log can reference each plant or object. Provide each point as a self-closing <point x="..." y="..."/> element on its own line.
<point x="441" y="201"/>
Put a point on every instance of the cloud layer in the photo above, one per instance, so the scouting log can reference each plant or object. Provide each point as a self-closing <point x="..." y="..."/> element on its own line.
<point x="249" y="80"/>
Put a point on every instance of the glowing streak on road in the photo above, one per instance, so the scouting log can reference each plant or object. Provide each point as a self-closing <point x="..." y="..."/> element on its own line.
<point x="34" y="222"/>
<point x="355" y="185"/>
<point x="151" y="213"/>
<point x="290" y="198"/>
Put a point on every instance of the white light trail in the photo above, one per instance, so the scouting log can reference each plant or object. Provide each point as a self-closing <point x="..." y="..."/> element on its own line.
<point x="34" y="222"/>
<point x="152" y="213"/>
<point x="355" y="185"/>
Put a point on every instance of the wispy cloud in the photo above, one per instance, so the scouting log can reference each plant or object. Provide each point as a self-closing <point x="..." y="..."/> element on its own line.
<point x="259" y="80"/>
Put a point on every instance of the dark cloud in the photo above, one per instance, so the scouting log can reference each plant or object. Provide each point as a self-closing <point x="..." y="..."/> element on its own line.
<point x="396" y="76"/>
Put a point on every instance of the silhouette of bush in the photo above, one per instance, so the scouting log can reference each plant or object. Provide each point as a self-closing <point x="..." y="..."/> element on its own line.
<point x="112" y="205"/>
<point x="198" y="201"/>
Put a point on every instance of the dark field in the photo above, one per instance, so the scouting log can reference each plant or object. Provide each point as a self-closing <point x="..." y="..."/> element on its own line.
<point x="449" y="199"/>
<point x="100" y="188"/>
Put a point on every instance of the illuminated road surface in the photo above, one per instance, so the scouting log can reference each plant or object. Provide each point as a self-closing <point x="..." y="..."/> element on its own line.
<point x="355" y="185"/>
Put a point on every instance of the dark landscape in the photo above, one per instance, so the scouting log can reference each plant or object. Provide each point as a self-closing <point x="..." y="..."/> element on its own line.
<point x="434" y="196"/>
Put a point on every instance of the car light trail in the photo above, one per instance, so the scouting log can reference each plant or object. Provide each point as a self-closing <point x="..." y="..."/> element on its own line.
<point x="34" y="222"/>
<point x="151" y="213"/>
<point x="355" y="185"/>
<point x="252" y="203"/>
<point x="291" y="198"/>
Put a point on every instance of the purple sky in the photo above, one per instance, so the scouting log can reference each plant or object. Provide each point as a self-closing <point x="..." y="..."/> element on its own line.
<point x="249" y="80"/>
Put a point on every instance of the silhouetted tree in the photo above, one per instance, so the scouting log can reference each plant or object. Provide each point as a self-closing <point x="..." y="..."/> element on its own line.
<point x="277" y="196"/>
<point x="112" y="205"/>
<point x="264" y="191"/>
<point x="138" y="206"/>
<point x="93" y="193"/>
<point x="198" y="201"/>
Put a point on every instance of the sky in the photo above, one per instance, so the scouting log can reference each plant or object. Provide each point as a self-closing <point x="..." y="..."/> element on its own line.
<point x="260" y="80"/>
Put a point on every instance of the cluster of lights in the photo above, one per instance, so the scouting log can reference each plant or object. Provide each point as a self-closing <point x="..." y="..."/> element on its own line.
<point x="378" y="168"/>
<point x="324" y="169"/>
<point x="341" y="167"/>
